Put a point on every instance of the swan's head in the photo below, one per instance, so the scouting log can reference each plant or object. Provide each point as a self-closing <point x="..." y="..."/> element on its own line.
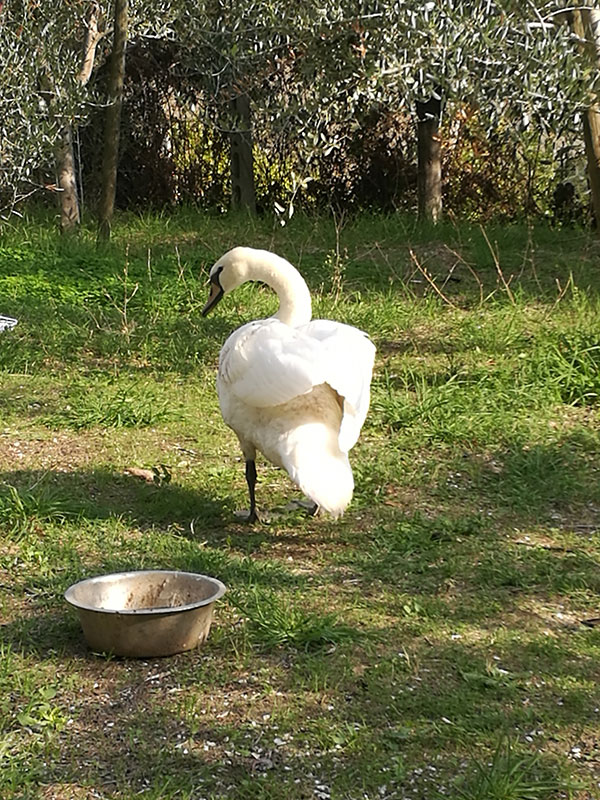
<point x="229" y="272"/>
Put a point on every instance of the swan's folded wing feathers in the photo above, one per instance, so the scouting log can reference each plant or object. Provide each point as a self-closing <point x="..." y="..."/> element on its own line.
<point x="266" y="363"/>
<point x="348" y="354"/>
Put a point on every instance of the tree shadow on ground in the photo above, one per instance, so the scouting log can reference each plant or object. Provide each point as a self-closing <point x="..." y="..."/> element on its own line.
<point x="103" y="494"/>
<point x="538" y="483"/>
<point x="46" y="635"/>
<point x="505" y="532"/>
<point x="140" y="727"/>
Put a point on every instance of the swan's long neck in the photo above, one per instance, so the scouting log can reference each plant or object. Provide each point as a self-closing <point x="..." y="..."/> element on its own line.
<point x="294" y="298"/>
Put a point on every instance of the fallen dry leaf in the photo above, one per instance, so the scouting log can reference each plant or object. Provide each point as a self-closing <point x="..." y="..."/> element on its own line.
<point x="137" y="472"/>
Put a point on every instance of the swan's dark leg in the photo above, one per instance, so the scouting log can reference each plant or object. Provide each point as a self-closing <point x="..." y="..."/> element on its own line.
<point x="251" y="515"/>
<point x="251" y="481"/>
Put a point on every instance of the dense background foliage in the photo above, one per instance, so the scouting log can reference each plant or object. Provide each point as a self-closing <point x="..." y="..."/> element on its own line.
<point x="332" y="88"/>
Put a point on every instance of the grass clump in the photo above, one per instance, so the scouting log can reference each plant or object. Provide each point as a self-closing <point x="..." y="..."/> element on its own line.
<point x="120" y="405"/>
<point x="510" y="775"/>
<point x="572" y="368"/>
<point x="275" y="622"/>
<point x="22" y="509"/>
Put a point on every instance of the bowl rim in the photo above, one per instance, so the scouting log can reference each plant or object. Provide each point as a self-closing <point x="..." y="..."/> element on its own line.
<point x="220" y="590"/>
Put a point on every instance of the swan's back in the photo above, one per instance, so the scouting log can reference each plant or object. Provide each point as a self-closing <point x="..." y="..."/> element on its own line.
<point x="266" y="363"/>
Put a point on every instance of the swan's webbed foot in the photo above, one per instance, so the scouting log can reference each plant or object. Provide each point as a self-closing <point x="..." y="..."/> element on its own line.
<point x="311" y="508"/>
<point x="251" y="516"/>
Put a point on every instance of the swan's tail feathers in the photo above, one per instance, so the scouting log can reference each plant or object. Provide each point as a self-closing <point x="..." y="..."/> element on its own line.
<point x="327" y="481"/>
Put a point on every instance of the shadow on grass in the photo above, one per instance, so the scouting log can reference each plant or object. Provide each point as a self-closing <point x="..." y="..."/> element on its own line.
<point x="538" y="482"/>
<point x="462" y="571"/>
<point x="104" y="494"/>
<point x="49" y="628"/>
<point x="79" y="524"/>
<point x="145" y="749"/>
<point x="144" y="726"/>
<point x="47" y="635"/>
<point x="101" y="494"/>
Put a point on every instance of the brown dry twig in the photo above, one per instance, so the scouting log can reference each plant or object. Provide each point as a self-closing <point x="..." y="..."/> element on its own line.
<point x="505" y="283"/>
<point x="430" y="280"/>
<point x="463" y="261"/>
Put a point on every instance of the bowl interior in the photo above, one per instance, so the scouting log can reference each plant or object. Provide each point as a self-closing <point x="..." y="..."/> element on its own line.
<point x="148" y="591"/>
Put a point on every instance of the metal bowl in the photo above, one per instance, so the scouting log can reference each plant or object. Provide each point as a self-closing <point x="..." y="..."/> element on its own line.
<point x="147" y="613"/>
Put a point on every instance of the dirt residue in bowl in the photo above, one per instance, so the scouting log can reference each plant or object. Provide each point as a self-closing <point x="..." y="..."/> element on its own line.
<point x="154" y="597"/>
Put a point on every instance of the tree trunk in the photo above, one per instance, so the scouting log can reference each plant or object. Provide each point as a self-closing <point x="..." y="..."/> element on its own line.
<point x="243" y="194"/>
<point x="70" y="214"/>
<point x="591" y="137"/>
<point x="586" y="25"/>
<point x="429" y="159"/>
<point x="112" y="120"/>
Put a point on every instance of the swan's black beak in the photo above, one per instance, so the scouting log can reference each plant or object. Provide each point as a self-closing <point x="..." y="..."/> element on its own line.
<point x="216" y="293"/>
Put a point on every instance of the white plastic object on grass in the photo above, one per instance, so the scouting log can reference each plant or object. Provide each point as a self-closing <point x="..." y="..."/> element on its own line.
<point x="6" y="323"/>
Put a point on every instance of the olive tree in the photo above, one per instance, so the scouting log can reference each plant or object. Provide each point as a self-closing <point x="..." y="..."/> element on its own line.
<point x="110" y="156"/>
<point x="585" y="24"/>
<point x="70" y="213"/>
<point x="506" y="59"/>
<point x="310" y="67"/>
<point x="234" y="53"/>
<point x="41" y="89"/>
<point x="305" y="67"/>
<point x="48" y="52"/>
<point x="131" y="20"/>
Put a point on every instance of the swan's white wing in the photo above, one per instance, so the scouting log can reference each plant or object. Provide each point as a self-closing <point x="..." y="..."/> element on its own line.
<point x="266" y="363"/>
<point x="347" y="358"/>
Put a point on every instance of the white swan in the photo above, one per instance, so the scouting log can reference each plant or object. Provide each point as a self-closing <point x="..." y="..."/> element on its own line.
<point x="295" y="390"/>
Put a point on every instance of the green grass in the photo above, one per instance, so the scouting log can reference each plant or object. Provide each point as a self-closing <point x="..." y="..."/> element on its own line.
<point x="274" y="623"/>
<point x="429" y="644"/>
<point x="116" y="405"/>
<point x="24" y="508"/>
<point x="509" y="776"/>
